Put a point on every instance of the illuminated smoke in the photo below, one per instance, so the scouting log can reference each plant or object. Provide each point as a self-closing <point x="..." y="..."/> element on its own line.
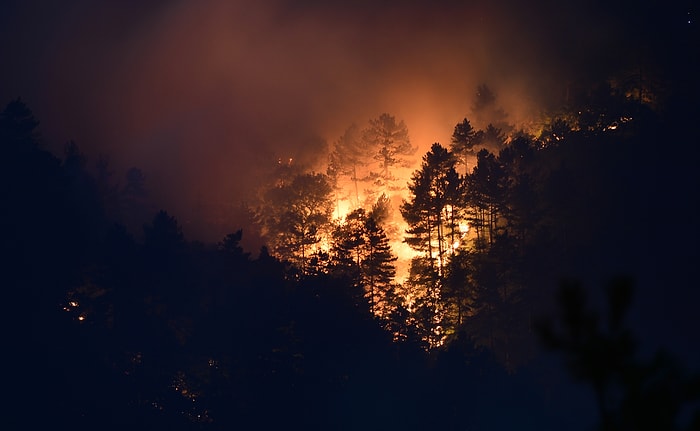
<point x="205" y="95"/>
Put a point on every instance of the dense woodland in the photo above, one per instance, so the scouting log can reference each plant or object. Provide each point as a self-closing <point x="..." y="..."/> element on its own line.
<point x="115" y="318"/>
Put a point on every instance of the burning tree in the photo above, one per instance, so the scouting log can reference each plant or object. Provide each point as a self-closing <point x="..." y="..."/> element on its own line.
<point x="433" y="220"/>
<point x="361" y="252"/>
<point x="349" y="156"/>
<point x="485" y="196"/>
<point x="391" y="146"/>
<point x="432" y="213"/>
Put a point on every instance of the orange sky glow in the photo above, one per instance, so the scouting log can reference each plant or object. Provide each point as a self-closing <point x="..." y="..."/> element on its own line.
<point x="205" y="96"/>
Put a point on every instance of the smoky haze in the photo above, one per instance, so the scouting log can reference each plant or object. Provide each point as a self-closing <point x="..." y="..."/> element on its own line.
<point x="205" y="96"/>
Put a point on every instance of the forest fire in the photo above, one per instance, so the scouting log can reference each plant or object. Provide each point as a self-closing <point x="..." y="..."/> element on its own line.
<point x="340" y="215"/>
<point x="419" y="234"/>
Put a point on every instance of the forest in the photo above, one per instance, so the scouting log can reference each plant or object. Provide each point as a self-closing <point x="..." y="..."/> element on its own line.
<point x="395" y="290"/>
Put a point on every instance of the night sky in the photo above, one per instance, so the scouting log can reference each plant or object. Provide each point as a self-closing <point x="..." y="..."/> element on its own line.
<point x="206" y="95"/>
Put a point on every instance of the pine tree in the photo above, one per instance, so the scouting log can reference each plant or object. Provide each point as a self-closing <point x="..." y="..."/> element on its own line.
<point x="484" y="198"/>
<point x="464" y="140"/>
<point x="390" y="145"/>
<point x="349" y="156"/>
<point x="346" y="252"/>
<point x="432" y="215"/>
<point x="295" y="215"/>
<point x="361" y="252"/>
<point x="378" y="269"/>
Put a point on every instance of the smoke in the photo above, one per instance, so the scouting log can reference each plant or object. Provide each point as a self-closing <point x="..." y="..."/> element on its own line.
<point x="205" y="96"/>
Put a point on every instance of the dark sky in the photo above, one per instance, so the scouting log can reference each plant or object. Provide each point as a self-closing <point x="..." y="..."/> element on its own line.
<point x="205" y="95"/>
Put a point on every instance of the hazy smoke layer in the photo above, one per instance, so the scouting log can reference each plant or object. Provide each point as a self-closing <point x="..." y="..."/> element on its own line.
<point x="206" y="95"/>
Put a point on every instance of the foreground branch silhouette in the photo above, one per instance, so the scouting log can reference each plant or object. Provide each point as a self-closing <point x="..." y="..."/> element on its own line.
<point x="631" y="393"/>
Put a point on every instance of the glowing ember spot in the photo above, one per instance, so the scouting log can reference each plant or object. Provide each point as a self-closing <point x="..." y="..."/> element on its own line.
<point x="405" y="254"/>
<point x="342" y="209"/>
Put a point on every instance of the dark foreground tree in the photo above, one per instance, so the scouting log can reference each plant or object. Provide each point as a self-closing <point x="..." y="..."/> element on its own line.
<point x="631" y="394"/>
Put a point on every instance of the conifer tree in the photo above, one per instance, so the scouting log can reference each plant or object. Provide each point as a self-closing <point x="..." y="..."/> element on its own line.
<point x="362" y="253"/>
<point x="390" y="145"/>
<point x="431" y="214"/>
<point x="378" y="269"/>
<point x="432" y="211"/>
<point x="463" y="142"/>
<point x="295" y="215"/>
